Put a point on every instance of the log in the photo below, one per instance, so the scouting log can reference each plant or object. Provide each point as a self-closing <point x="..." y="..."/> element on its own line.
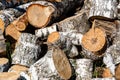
<point x="17" y="69"/>
<point x="43" y="69"/>
<point x="61" y="63"/>
<point x="21" y="22"/>
<point x="44" y="32"/>
<point x="104" y="78"/>
<point x="27" y="51"/>
<point x="117" y="72"/>
<point x="118" y="9"/>
<point x="9" y="76"/>
<point x="4" y="64"/>
<point x="2" y="46"/>
<point x="76" y="23"/>
<point x="106" y="73"/>
<point x="94" y="37"/>
<point x="12" y="32"/>
<point x="84" y="69"/>
<point x="64" y="40"/>
<point x="106" y="10"/>
<point x="49" y="11"/>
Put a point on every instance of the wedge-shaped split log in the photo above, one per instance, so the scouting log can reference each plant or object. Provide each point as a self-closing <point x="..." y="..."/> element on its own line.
<point x="100" y="9"/>
<point x="39" y="15"/>
<point x="27" y="51"/>
<point x="4" y="64"/>
<point x="84" y="69"/>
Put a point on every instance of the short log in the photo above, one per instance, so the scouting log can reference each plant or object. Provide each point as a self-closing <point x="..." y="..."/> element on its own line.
<point x="4" y="64"/>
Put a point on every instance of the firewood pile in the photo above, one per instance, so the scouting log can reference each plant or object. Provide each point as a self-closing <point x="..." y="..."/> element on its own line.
<point x="59" y="40"/>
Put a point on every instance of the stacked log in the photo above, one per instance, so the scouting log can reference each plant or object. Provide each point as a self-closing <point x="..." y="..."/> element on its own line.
<point x="4" y="64"/>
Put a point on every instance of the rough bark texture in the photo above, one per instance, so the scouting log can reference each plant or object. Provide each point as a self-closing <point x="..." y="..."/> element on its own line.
<point x="103" y="9"/>
<point x="4" y="64"/>
<point x="53" y="11"/>
<point x="64" y="40"/>
<point x="26" y="51"/>
<point x="118" y="9"/>
<point x="76" y="23"/>
<point x="84" y="69"/>
<point x="117" y="72"/>
<point x="2" y="46"/>
<point x="104" y="78"/>
<point x="44" y="32"/>
<point x="43" y="69"/>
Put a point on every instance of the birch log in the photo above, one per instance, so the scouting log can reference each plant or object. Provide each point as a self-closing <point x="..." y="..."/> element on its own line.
<point x="26" y="51"/>
<point x="43" y="69"/>
<point x="49" y="11"/>
<point x="64" y="40"/>
<point x="4" y="64"/>
<point x="84" y="69"/>
<point x="100" y="9"/>
<point x="44" y="32"/>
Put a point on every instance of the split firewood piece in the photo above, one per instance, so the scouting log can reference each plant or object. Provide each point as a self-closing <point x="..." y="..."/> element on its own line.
<point x="76" y="23"/>
<point x="100" y="9"/>
<point x="40" y="15"/>
<point x="62" y="64"/>
<point x="104" y="78"/>
<point x="26" y="51"/>
<point x="95" y="39"/>
<point x="12" y="31"/>
<point x="9" y="76"/>
<point x="117" y="72"/>
<point x="18" y="69"/>
<point x="43" y="69"/>
<point x="106" y="73"/>
<point x="44" y="32"/>
<point x="84" y="69"/>
<point x="64" y="40"/>
<point x="108" y="27"/>
<point x="4" y="64"/>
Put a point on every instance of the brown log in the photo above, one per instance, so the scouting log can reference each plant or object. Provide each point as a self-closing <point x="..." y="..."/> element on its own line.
<point x="95" y="39"/>
<point x="18" y="69"/>
<point x="117" y="72"/>
<point x="100" y="9"/>
<point x="27" y="51"/>
<point x="48" y="11"/>
<point x="12" y="31"/>
<point x="21" y="22"/>
<point x="64" y="40"/>
<point x="61" y="63"/>
<point x="4" y="64"/>
<point x="9" y="76"/>
<point x="106" y="73"/>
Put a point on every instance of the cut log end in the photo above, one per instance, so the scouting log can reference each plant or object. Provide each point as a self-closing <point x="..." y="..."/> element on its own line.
<point x="39" y="15"/>
<point x="3" y="61"/>
<point x="107" y="73"/>
<point x="13" y="32"/>
<point x="62" y="64"/>
<point x="2" y="24"/>
<point x="53" y="37"/>
<point x="94" y="40"/>
<point x="20" y="26"/>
